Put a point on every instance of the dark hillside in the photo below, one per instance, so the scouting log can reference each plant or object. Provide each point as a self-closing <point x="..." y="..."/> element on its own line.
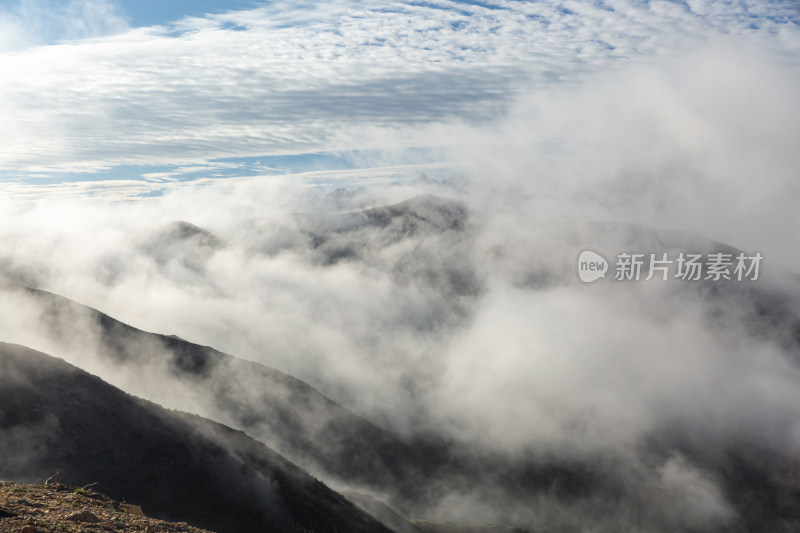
<point x="55" y="417"/>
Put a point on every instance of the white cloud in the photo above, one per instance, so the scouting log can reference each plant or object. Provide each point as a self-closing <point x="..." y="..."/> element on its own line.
<point x="286" y="79"/>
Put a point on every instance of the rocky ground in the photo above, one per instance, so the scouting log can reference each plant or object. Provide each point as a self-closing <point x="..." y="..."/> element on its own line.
<point x="56" y="507"/>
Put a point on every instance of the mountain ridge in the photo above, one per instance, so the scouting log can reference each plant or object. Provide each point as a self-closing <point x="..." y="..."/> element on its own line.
<point x="56" y="417"/>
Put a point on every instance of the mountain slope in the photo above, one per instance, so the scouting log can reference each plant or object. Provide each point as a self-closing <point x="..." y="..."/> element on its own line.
<point x="275" y="408"/>
<point x="54" y="416"/>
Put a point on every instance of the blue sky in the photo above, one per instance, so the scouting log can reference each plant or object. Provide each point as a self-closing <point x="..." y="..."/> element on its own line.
<point x="150" y="12"/>
<point x="106" y="89"/>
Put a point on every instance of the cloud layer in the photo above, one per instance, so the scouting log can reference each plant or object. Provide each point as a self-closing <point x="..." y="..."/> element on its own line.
<point x="288" y="79"/>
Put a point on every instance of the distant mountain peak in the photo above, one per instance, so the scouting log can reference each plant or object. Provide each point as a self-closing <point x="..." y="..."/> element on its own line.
<point x="425" y="180"/>
<point x="181" y="230"/>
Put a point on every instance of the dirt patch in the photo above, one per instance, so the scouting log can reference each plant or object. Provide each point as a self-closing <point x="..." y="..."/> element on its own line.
<point x="55" y="507"/>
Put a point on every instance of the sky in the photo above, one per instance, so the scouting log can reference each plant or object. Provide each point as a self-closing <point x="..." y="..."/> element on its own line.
<point x="104" y="97"/>
<point x="153" y="13"/>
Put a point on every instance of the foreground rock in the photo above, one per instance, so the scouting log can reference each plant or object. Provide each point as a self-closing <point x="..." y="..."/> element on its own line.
<point x="40" y="508"/>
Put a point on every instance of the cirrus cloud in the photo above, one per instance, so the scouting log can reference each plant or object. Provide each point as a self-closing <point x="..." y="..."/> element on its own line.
<point x="287" y="79"/>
